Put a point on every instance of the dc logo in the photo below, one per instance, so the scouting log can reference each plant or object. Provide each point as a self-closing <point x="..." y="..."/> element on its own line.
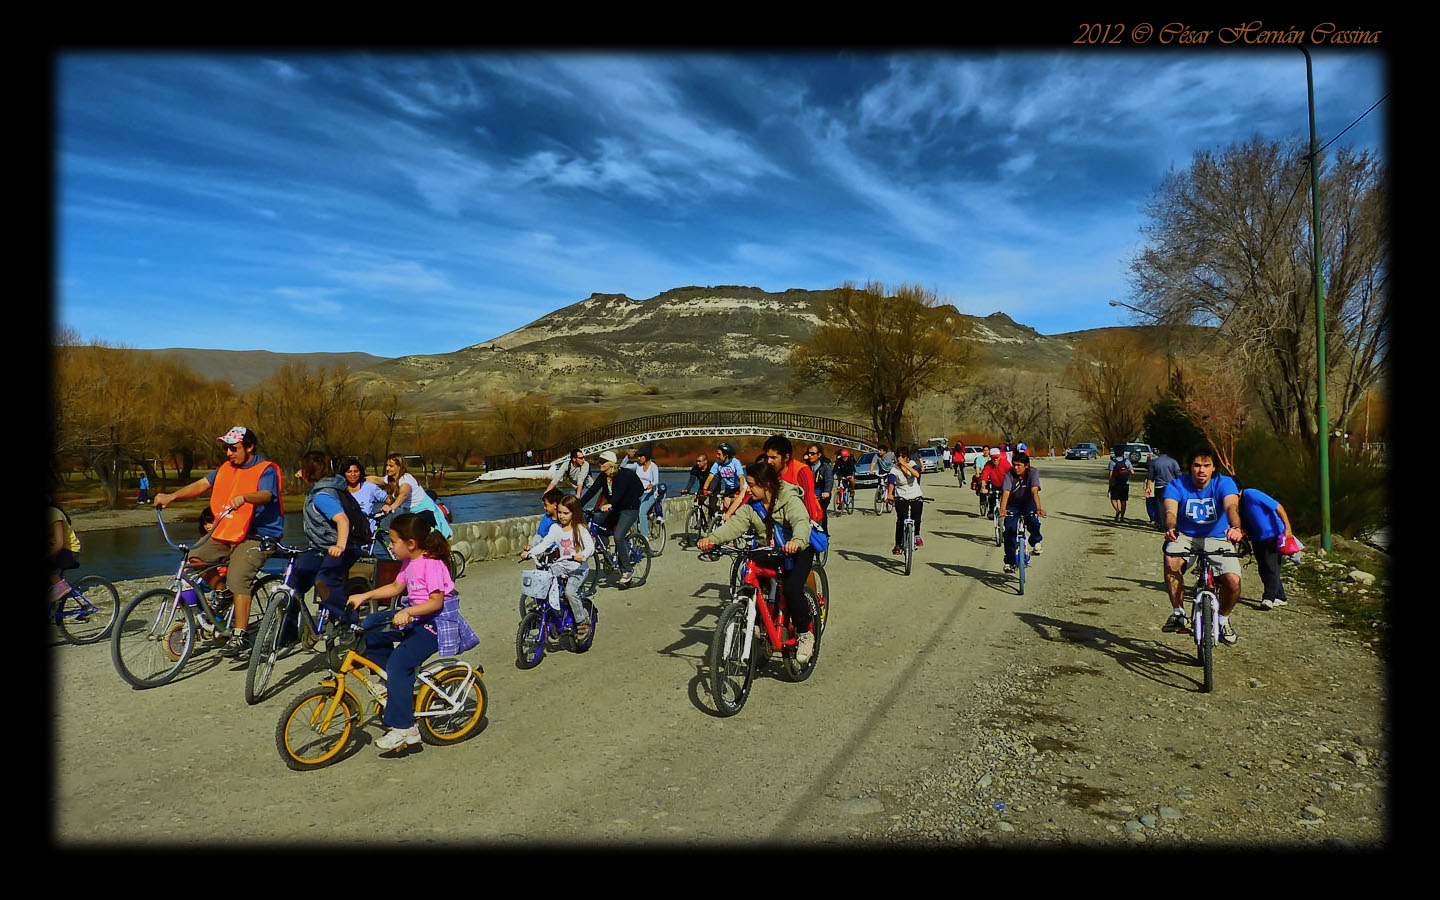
<point x="1200" y="511"/>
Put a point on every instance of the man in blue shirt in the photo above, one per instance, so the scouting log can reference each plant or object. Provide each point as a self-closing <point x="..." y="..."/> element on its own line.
<point x="726" y="480"/>
<point x="1267" y="526"/>
<point x="1202" y="508"/>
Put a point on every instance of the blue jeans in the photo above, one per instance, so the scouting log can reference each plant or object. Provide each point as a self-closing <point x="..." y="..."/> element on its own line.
<point x="647" y="503"/>
<point x="625" y="519"/>
<point x="1012" y="529"/>
<point x="317" y="565"/>
<point x="416" y="644"/>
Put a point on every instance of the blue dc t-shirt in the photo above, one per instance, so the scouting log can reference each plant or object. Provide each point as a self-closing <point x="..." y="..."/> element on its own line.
<point x="1201" y="513"/>
<point x="1258" y="515"/>
<point x="729" y="473"/>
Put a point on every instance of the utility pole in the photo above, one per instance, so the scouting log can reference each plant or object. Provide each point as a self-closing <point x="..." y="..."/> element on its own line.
<point x="1049" y="428"/>
<point x="1322" y="425"/>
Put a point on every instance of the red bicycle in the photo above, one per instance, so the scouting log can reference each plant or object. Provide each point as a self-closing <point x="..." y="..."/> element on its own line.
<point x="735" y="650"/>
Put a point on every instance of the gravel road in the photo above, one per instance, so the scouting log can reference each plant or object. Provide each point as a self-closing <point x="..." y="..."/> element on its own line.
<point x="945" y="710"/>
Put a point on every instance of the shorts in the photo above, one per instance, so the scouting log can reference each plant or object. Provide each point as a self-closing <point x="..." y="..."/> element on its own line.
<point x="1119" y="491"/>
<point x="1220" y="565"/>
<point x="245" y="560"/>
<point x="64" y="559"/>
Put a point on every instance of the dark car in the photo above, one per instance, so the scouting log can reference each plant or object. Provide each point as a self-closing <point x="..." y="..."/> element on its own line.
<point x="1083" y="451"/>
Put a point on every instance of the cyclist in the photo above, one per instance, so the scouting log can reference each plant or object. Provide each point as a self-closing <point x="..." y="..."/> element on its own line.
<point x="64" y="548"/>
<point x="778" y="450"/>
<point x="992" y="477"/>
<point x="697" y="474"/>
<point x="620" y="490"/>
<point x="882" y="465"/>
<point x="824" y="475"/>
<point x="844" y="472"/>
<point x="728" y="477"/>
<point x="327" y="527"/>
<point x="250" y="485"/>
<point x="1020" y="496"/>
<point x="640" y="462"/>
<point x="573" y="469"/>
<point x="907" y="498"/>
<point x="1198" y="506"/>
<point x="1163" y="470"/>
<point x="572" y="535"/>
<point x="786" y="523"/>
<point x="551" y="499"/>
<point x="1120" y="471"/>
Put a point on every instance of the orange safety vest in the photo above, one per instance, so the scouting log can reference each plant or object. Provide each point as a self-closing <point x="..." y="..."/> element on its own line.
<point x="229" y="481"/>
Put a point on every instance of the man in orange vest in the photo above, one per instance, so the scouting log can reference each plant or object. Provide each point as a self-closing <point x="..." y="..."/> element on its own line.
<point x="248" y="485"/>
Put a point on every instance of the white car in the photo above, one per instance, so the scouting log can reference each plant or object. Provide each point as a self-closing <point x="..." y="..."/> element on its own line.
<point x="974" y="456"/>
<point x="929" y="459"/>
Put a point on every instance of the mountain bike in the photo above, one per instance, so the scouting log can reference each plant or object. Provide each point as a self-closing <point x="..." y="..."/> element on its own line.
<point x="735" y="650"/>
<point x="844" y="497"/>
<point x="883" y="504"/>
<point x="84" y="611"/>
<point x="908" y="540"/>
<point x="155" y="633"/>
<point x="656" y="521"/>
<point x="318" y="726"/>
<point x="606" y="559"/>
<point x="1205" y="608"/>
<point x="543" y="627"/>
<point x="287" y="621"/>
<point x="994" y="515"/>
<point x="959" y="474"/>
<point x="1022" y="548"/>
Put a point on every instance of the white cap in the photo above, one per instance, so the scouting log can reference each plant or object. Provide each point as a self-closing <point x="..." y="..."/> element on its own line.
<point x="608" y="456"/>
<point x="234" y="435"/>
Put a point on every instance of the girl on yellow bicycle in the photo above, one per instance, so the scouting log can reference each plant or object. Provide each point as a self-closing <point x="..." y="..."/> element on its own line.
<point x="424" y="578"/>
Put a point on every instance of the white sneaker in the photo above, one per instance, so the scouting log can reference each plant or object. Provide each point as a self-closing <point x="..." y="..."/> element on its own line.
<point x="1267" y="603"/>
<point x="1035" y="549"/>
<point x="804" y="648"/>
<point x="395" y="737"/>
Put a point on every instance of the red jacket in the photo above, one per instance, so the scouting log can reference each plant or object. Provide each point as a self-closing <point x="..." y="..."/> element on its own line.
<point x="994" y="471"/>
<point x="799" y="474"/>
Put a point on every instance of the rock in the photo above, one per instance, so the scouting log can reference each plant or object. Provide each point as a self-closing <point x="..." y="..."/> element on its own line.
<point x="1314" y="812"/>
<point x="862" y="806"/>
<point x="985" y="779"/>
<point x="1361" y="577"/>
<point x="1005" y="826"/>
<point x="1373" y="741"/>
<point x="1256" y="683"/>
<point x="1358" y="757"/>
<point x="1166" y="812"/>
<point x="1133" y="827"/>
<point x="1149" y="821"/>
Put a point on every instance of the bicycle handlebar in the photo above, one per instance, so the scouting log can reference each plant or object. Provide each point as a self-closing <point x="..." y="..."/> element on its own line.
<point x="186" y="548"/>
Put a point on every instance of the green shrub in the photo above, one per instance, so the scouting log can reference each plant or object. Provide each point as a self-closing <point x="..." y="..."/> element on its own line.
<point x="1286" y="469"/>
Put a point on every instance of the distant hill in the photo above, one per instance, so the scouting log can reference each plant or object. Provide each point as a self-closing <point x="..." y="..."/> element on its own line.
<point x="690" y="348"/>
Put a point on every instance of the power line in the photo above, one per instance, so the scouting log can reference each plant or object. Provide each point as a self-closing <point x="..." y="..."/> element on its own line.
<point x="1356" y="122"/>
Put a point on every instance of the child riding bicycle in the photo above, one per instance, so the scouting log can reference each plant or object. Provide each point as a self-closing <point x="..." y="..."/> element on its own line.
<point x="571" y="534"/>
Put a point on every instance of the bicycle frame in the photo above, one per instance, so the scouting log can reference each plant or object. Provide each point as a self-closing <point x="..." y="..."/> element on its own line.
<point x="183" y="580"/>
<point x="357" y="665"/>
<point x="611" y="559"/>
<point x="761" y="603"/>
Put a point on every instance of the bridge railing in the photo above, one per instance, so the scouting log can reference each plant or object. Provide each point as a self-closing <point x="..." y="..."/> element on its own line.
<point x="778" y="422"/>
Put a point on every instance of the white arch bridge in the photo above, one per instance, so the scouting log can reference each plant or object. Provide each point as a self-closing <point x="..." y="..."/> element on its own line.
<point x="716" y="423"/>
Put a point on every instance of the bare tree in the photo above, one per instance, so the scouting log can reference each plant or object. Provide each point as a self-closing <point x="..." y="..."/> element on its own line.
<point x="1229" y="245"/>
<point x="1013" y="403"/>
<point x="1117" y="373"/>
<point x="877" y="352"/>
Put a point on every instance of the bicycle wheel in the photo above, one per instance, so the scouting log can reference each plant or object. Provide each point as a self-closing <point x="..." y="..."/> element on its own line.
<point x="797" y="671"/>
<point x="999" y="527"/>
<point x="823" y="582"/>
<point x="463" y="706"/>
<point x="530" y="640"/>
<point x="879" y="502"/>
<point x="149" y="646"/>
<point x="640" y="554"/>
<point x="694" y="526"/>
<point x="823" y="556"/>
<point x="1206" y="644"/>
<point x="731" y="669"/>
<point x="909" y="545"/>
<point x="88" y="612"/>
<point x="457" y="564"/>
<point x="578" y="646"/>
<point x="658" y="535"/>
<point x="266" y="649"/>
<point x="1020" y="556"/>
<point x="736" y="565"/>
<point x="301" y="740"/>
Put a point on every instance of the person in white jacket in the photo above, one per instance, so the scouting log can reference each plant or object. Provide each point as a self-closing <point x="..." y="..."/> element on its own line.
<point x="572" y="535"/>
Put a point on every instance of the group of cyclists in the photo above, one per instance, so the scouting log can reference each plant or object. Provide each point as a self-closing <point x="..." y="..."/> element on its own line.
<point x="780" y="499"/>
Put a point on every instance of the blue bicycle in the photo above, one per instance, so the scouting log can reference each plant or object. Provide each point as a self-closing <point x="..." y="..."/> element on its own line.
<point x="543" y="627"/>
<point x="85" y="610"/>
<point x="606" y="559"/>
<point x="287" y="621"/>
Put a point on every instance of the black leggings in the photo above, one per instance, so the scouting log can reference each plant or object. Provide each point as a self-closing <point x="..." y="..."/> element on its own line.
<point x="793" y="584"/>
<point x="916" y="507"/>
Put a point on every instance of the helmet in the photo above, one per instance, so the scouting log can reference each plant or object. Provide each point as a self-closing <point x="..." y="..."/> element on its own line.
<point x="727" y="449"/>
<point x="844" y="454"/>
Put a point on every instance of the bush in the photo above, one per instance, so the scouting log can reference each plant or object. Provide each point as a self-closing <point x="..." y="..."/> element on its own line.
<point x="1286" y="469"/>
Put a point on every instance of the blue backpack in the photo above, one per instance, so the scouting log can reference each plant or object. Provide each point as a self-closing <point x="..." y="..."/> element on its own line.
<point x="819" y="540"/>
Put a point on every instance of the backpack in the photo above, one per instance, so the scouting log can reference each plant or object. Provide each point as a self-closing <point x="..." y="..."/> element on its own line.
<point x="359" y="522"/>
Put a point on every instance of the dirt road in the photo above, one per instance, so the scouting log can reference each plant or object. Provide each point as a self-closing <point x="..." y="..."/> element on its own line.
<point x="944" y="709"/>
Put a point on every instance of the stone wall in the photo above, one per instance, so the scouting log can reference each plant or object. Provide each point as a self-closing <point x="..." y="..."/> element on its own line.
<point x="505" y="538"/>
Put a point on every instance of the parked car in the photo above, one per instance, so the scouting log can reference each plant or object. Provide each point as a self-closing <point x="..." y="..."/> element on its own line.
<point x="863" y="478"/>
<point x="1083" y="450"/>
<point x="1139" y="454"/>
<point x="929" y="459"/>
<point x="973" y="455"/>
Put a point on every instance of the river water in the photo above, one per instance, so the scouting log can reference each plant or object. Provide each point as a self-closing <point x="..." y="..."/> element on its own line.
<point x="123" y="553"/>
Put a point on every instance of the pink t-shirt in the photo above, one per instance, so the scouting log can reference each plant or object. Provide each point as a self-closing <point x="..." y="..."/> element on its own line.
<point x="422" y="575"/>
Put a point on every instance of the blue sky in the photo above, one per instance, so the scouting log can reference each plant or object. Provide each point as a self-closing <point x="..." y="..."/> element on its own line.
<point x="400" y="204"/>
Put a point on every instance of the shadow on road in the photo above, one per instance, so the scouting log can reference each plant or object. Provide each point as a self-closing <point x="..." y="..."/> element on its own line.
<point x="997" y="581"/>
<point x="1147" y="585"/>
<point x="1150" y="659"/>
<point x="973" y="538"/>
<point x="1109" y="522"/>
